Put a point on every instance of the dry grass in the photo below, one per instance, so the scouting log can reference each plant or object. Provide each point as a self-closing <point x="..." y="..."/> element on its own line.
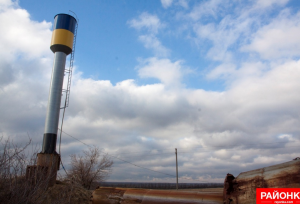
<point x="66" y="192"/>
<point x="16" y="188"/>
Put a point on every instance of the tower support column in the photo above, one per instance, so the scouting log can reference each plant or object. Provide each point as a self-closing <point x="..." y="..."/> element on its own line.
<point x="53" y="109"/>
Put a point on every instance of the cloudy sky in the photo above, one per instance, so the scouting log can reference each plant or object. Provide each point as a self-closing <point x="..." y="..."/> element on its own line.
<point x="217" y="79"/>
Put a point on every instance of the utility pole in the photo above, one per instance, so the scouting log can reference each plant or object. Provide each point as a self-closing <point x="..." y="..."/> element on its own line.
<point x="176" y="169"/>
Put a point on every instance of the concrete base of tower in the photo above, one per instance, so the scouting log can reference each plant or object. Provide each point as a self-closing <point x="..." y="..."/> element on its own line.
<point x="48" y="164"/>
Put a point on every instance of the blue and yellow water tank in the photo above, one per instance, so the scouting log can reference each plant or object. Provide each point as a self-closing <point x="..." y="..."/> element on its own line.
<point x="63" y="33"/>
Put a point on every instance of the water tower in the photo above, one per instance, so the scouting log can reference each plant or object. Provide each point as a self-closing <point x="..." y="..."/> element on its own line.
<point x="62" y="44"/>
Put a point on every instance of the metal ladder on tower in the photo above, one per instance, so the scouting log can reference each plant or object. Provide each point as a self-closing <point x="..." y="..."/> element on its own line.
<point x="67" y="90"/>
<point x="69" y="71"/>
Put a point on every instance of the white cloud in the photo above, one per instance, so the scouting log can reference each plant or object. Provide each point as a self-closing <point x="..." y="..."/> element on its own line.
<point x="206" y="8"/>
<point x="149" y="39"/>
<point x="25" y="65"/>
<point x="166" y="3"/>
<point x="224" y="33"/>
<point x="151" y="42"/>
<point x="4" y="4"/>
<point x="233" y="74"/>
<point x="19" y="35"/>
<point x="166" y="71"/>
<point x="183" y="3"/>
<point x="228" y="25"/>
<point x="278" y="39"/>
<point x="222" y="71"/>
<point x="268" y="3"/>
<point x="147" y="21"/>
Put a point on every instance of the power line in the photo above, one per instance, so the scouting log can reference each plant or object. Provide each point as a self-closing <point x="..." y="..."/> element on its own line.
<point x="118" y="158"/>
<point x="121" y="159"/>
<point x="76" y="139"/>
<point x="221" y="146"/>
<point x="138" y="152"/>
<point x="144" y="167"/>
<point x="63" y="167"/>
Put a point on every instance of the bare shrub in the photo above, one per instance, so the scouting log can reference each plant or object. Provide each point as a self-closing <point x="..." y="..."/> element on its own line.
<point x="89" y="168"/>
<point x="13" y="161"/>
<point x="15" y="188"/>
